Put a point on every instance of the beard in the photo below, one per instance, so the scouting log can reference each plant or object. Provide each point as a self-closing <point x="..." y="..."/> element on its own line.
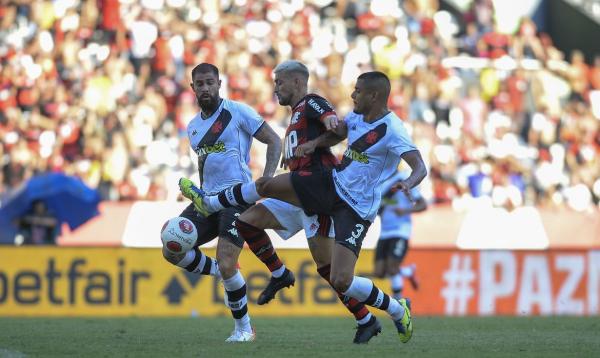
<point x="207" y="103"/>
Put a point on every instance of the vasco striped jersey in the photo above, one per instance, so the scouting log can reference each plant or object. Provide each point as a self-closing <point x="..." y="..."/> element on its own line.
<point x="372" y="156"/>
<point x="223" y="142"/>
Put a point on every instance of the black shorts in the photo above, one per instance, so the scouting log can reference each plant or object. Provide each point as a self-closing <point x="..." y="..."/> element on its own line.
<point x="317" y="195"/>
<point x="218" y="224"/>
<point x="395" y="248"/>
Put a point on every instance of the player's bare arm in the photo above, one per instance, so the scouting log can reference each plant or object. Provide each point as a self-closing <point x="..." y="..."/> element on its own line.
<point x="418" y="172"/>
<point x="327" y="139"/>
<point x="267" y="135"/>
<point x="201" y="160"/>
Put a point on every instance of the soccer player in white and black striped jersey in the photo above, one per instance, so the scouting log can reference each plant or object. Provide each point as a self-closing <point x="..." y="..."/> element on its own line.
<point x="221" y="135"/>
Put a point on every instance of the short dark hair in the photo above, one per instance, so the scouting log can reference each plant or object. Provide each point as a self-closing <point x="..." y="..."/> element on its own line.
<point x="377" y="81"/>
<point x="204" y="68"/>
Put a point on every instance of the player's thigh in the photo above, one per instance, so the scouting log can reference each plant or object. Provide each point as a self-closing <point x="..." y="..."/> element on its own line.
<point x="206" y="227"/>
<point x="279" y="187"/>
<point x="264" y="215"/>
<point x="321" y="248"/>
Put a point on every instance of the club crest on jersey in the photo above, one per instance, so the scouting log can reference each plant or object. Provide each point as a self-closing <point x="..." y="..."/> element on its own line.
<point x="217" y="127"/>
<point x="354" y="155"/>
<point x="295" y="118"/>
<point x="372" y="137"/>
<point x="218" y="147"/>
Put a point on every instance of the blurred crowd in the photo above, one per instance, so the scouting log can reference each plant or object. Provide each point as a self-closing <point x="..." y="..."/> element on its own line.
<point x="100" y="89"/>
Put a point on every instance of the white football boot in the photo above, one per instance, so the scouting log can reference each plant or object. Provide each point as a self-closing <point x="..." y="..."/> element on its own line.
<point x="241" y="336"/>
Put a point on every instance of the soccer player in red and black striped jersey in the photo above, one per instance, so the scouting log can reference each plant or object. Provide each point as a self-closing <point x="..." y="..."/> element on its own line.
<point x="311" y="117"/>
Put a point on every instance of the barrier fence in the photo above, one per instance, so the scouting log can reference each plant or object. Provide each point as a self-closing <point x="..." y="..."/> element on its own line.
<point x="53" y="281"/>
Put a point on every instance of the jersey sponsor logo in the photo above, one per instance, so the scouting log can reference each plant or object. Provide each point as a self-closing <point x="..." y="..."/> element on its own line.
<point x="315" y="106"/>
<point x="356" y="149"/>
<point x="354" y="155"/>
<point x="344" y="192"/>
<point x="208" y="144"/>
<point x="218" y="147"/>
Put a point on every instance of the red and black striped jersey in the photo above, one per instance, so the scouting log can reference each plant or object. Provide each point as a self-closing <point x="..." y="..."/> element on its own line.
<point x="305" y="125"/>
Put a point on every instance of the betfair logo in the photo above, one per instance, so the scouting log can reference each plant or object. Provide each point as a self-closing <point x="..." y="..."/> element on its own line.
<point x="354" y="155"/>
<point x="218" y="147"/>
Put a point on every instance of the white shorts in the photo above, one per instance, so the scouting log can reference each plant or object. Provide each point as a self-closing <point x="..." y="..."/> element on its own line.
<point x="293" y="219"/>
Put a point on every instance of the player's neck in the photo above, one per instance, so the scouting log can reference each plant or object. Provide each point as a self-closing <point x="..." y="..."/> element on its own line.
<point x="296" y="98"/>
<point x="209" y="111"/>
<point x="376" y="113"/>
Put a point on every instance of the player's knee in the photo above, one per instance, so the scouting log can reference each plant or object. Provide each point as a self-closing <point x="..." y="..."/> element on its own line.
<point x="341" y="281"/>
<point x="262" y="186"/>
<point x="227" y="267"/>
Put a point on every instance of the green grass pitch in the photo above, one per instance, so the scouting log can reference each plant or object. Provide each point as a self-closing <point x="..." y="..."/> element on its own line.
<point x="298" y="337"/>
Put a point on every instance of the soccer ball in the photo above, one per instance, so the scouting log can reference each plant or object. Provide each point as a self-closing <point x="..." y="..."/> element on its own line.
<point x="178" y="235"/>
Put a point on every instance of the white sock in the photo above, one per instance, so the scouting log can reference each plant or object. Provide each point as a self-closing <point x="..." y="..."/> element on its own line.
<point x="407" y="271"/>
<point x="249" y="193"/>
<point x="365" y="319"/>
<point x="395" y="310"/>
<point x="206" y="265"/>
<point x="237" y="300"/>
<point x="277" y="273"/>
<point x="360" y="288"/>
<point x="213" y="204"/>
<point x="397" y="284"/>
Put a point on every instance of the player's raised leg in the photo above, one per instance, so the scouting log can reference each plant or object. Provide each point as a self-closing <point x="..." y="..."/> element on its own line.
<point x="195" y="261"/>
<point x="278" y="187"/>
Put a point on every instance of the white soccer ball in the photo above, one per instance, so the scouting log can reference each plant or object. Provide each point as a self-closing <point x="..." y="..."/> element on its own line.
<point x="178" y="235"/>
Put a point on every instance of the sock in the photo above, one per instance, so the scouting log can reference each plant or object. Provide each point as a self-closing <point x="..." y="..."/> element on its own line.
<point x="358" y="309"/>
<point x="237" y="195"/>
<point x="259" y="242"/>
<point x="279" y="272"/>
<point x="397" y="283"/>
<point x="407" y="271"/>
<point x="365" y="291"/>
<point x="235" y="289"/>
<point x="196" y="262"/>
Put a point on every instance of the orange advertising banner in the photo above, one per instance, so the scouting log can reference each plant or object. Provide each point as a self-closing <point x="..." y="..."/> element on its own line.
<point x="53" y="281"/>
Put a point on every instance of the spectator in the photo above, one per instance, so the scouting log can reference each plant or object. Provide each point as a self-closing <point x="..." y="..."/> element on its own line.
<point x="38" y="226"/>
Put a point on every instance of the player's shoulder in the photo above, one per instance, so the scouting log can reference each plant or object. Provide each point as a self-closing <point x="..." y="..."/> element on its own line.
<point x="395" y="123"/>
<point x="318" y="103"/>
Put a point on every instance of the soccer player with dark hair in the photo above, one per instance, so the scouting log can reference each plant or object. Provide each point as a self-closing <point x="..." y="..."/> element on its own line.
<point x="311" y="117"/>
<point x="221" y="135"/>
<point x="350" y="193"/>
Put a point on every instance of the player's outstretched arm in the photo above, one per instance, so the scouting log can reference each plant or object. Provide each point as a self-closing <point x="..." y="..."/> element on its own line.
<point x="327" y="139"/>
<point x="267" y="135"/>
<point x="418" y="172"/>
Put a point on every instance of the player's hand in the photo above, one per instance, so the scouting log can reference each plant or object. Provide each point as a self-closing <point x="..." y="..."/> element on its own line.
<point x="401" y="185"/>
<point x="305" y="149"/>
<point x="331" y="122"/>
<point x="283" y="163"/>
